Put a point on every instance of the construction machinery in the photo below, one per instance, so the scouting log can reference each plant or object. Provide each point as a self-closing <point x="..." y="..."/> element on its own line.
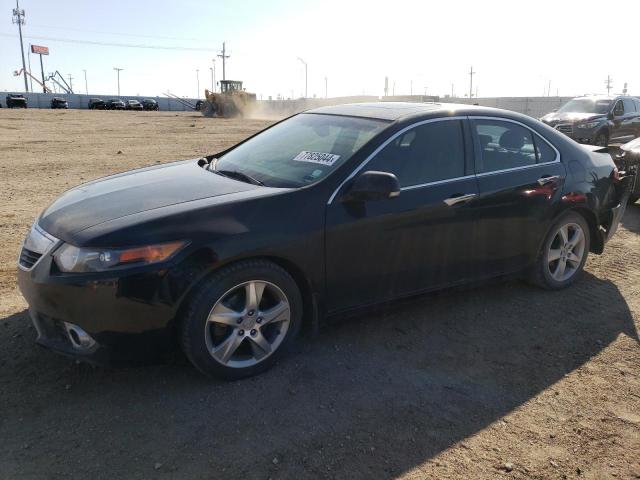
<point x="17" y="73"/>
<point x="231" y="101"/>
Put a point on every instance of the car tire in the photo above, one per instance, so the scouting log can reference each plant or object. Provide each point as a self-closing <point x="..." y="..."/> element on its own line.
<point x="223" y="332"/>
<point x="602" y="139"/>
<point x="571" y="251"/>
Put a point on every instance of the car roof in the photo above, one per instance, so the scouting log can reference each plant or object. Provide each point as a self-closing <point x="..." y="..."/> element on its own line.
<point x="401" y="110"/>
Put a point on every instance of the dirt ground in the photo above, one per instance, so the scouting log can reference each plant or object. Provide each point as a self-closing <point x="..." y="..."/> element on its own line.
<point x="500" y="381"/>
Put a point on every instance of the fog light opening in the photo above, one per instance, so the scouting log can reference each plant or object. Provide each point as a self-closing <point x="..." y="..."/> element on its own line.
<point x="80" y="339"/>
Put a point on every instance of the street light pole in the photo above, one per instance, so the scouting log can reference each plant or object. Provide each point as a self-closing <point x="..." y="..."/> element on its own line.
<point x="325" y="87"/>
<point x="86" y="88"/>
<point x="198" y="82"/>
<point x="305" y="76"/>
<point x="118" y="70"/>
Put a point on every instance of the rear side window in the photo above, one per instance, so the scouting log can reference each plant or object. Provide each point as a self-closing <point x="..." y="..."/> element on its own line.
<point x="544" y="152"/>
<point x="428" y="153"/>
<point x="629" y="105"/>
<point x="505" y="145"/>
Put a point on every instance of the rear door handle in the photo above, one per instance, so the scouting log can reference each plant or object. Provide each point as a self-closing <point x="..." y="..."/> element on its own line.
<point x="548" y="179"/>
<point x="456" y="199"/>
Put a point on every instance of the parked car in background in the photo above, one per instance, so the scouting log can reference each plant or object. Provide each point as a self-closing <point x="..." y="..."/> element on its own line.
<point x="328" y="211"/>
<point x="150" y="104"/>
<point x="133" y="105"/>
<point x="598" y="120"/>
<point x="199" y="105"/>
<point x="97" y="104"/>
<point x="629" y="160"/>
<point x="115" y="104"/>
<point x="58" y="102"/>
<point x="16" y="100"/>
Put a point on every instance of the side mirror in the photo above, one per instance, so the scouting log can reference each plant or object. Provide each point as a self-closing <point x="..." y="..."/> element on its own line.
<point x="373" y="186"/>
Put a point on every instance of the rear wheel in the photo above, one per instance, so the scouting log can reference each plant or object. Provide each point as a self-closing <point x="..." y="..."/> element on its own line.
<point x="563" y="254"/>
<point x="241" y="319"/>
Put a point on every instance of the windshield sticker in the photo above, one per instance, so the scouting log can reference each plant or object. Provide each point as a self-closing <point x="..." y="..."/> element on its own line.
<point x="317" y="157"/>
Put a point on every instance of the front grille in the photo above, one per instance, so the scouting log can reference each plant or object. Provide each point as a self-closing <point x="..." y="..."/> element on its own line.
<point x="565" y="128"/>
<point x="28" y="258"/>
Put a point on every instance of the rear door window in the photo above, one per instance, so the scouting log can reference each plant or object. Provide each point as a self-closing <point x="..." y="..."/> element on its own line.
<point x="505" y="145"/>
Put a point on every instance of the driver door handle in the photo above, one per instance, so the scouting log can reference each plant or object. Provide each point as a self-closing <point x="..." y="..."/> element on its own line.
<point x="456" y="199"/>
<point x="548" y="179"/>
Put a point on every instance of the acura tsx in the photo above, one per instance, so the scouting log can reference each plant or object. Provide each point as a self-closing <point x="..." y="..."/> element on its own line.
<point x="328" y="211"/>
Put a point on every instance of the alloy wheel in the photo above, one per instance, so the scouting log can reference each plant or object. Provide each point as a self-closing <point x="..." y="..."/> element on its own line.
<point x="247" y="324"/>
<point x="566" y="252"/>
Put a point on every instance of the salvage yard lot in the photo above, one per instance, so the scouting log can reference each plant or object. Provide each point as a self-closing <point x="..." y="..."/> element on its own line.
<point x="503" y="380"/>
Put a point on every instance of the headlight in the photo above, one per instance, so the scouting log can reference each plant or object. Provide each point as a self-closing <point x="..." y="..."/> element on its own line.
<point x="74" y="259"/>
<point x="588" y="124"/>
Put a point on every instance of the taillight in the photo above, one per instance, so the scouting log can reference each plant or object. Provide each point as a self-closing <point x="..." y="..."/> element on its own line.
<point x="616" y="174"/>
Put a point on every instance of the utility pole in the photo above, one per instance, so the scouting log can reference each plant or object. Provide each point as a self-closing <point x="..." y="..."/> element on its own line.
<point x="471" y="73"/>
<point x="325" y="88"/>
<point x="452" y="95"/>
<point x="118" y="70"/>
<point x="70" y="82"/>
<point x="86" y="88"/>
<point x="18" y="18"/>
<point x="411" y="88"/>
<point x="224" y="57"/>
<point x="198" y="82"/>
<point x="29" y="59"/>
<point x="305" y="76"/>
<point x="607" y="83"/>
<point x="213" y="75"/>
<point x="549" y="89"/>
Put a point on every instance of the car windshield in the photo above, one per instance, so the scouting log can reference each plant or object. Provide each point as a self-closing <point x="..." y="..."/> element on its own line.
<point x="301" y="150"/>
<point x="586" y="105"/>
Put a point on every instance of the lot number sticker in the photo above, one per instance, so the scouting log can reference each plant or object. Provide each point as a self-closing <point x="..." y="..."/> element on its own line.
<point x="317" y="157"/>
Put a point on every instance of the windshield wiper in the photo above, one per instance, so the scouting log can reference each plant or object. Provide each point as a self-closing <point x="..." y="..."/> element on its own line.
<point x="243" y="177"/>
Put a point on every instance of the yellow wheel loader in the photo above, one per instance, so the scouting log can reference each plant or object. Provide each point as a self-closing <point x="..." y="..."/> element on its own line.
<point x="231" y="101"/>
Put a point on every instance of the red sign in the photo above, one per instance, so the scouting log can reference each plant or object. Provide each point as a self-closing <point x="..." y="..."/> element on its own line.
<point x="40" y="49"/>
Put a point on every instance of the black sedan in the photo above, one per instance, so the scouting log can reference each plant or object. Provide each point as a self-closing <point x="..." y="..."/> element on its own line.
<point x="59" y="102"/>
<point x="150" y="104"/>
<point x="115" y="104"/>
<point x="97" y="104"/>
<point x="332" y="210"/>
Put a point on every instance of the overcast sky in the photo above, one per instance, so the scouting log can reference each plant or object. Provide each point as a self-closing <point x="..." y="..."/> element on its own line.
<point x="515" y="47"/>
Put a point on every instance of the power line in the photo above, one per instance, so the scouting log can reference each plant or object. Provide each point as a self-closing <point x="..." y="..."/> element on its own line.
<point x="112" y="44"/>
<point x="121" y="34"/>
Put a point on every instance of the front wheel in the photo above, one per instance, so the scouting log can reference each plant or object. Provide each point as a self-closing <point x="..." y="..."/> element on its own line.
<point x="241" y="319"/>
<point x="563" y="254"/>
<point x="602" y="139"/>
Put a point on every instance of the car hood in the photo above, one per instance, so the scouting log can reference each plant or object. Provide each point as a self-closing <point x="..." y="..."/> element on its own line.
<point x="632" y="147"/>
<point x="133" y="192"/>
<point x="571" y="117"/>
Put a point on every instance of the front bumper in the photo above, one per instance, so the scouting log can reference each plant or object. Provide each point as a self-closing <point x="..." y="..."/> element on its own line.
<point x="128" y="318"/>
<point x="580" y="135"/>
